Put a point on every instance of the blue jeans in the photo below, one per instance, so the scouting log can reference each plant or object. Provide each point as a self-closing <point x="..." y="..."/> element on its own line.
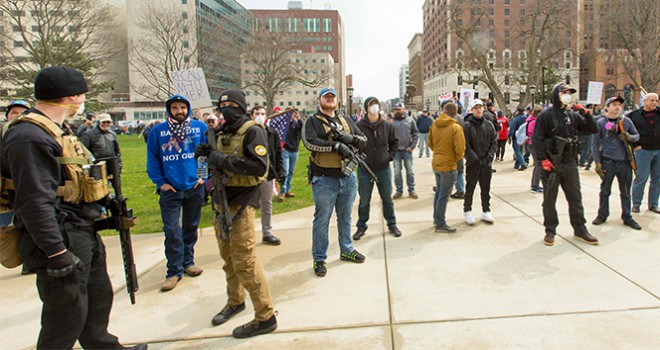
<point x="585" y="148"/>
<point x="520" y="161"/>
<point x="623" y="172"/>
<point x="405" y="157"/>
<point x="460" y="177"/>
<point x="423" y="144"/>
<point x="180" y="239"/>
<point x="443" y="184"/>
<point x="648" y="163"/>
<point x="332" y="193"/>
<point x="289" y="160"/>
<point x="366" y="187"/>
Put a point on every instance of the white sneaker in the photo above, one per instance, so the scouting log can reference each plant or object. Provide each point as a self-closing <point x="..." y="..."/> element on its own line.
<point x="469" y="218"/>
<point x="487" y="217"/>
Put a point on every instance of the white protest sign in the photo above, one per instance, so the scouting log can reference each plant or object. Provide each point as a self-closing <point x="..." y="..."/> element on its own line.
<point x="191" y="83"/>
<point x="467" y="95"/>
<point x="445" y="96"/>
<point x="595" y="92"/>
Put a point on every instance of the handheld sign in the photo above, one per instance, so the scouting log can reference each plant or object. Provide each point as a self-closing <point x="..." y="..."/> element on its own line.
<point x="595" y="92"/>
<point x="191" y="83"/>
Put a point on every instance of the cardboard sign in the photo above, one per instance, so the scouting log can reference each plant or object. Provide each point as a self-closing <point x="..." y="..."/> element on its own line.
<point x="595" y="92"/>
<point x="191" y="83"/>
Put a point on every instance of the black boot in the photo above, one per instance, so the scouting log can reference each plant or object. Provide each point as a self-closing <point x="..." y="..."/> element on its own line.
<point x="255" y="327"/>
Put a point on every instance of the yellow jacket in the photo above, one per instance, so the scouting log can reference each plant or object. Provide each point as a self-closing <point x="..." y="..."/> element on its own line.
<point x="447" y="141"/>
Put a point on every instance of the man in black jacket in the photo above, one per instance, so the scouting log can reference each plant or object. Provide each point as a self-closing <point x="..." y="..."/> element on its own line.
<point x="102" y="141"/>
<point x="329" y="138"/>
<point x="554" y="126"/>
<point x="647" y="153"/>
<point x="380" y="137"/>
<point x="480" y="145"/>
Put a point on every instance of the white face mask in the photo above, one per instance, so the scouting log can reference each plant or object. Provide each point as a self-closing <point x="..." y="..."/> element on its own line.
<point x="566" y="99"/>
<point x="81" y="109"/>
<point x="374" y="109"/>
<point x="260" y="119"/>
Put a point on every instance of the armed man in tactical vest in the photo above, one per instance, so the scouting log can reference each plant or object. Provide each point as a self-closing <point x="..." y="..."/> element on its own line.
<point x="238" y="160"/>
<point x="53" y="187"/>
<point x="556" y="143"/>
<point x="330" y="138"/>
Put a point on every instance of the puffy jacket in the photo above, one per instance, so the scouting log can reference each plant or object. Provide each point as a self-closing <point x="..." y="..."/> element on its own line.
<point x="102" y="144"/>
<point x="447" y="141"/>
<point x="480" y="141"/>
<point x="531" y="123"/>
<point x="649" y="136"/>
<point x="381" y="143"/>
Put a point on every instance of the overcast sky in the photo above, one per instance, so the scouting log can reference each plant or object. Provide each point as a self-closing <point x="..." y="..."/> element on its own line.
<point x="377" y="34"/>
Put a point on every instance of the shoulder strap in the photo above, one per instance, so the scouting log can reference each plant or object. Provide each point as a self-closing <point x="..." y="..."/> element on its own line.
<point x="243" y="129"/>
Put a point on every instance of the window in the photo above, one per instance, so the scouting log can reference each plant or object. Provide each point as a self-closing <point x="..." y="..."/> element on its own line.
<point x="327" y="25"/>
<point x="491" y="2"/>
<point x="36" y="28"/>
<point x="186" y="59"/>
<point x="506" y="12"/>
<point x="522" y="2"/>
<point x="185" y="44"/>
<point x="184" y="15"/>
<point x="460" y="80"/>
<point x="491" y="12"/>
<point x="507" y="98"/>
<point x="506" y="2"/>
<point x="610" y="71"/>
<point x="491" y="22"/>
<point x="506" y="80"/>
<point x="184" y="2"/>
<point x="506" y="22"/>
<point x="18" y="43"/>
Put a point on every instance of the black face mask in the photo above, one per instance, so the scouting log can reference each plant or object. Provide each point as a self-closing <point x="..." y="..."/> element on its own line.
<point x="231" y="113"/>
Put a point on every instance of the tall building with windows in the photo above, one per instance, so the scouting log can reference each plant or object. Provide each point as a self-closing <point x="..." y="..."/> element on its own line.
<point x="316" y="31"/>
<point x="404" y="78"/>
<point x="416" y="71"/>
<point x="500" y="27"/>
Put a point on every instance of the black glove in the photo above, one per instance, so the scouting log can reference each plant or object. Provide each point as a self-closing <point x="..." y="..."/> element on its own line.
<point x="281" y="179"/>
<point x="203" y="150"/>
<point x="63" y="265"/>
<point x="215" y="158"/>
<point x="344" y="138"/>
<point x="343" y="150"/>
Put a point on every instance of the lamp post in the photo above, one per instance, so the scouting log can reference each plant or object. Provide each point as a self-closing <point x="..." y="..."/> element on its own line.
<point x="349" y="90"/>
<point x="543" y="68"/>
<point x="532" y="90"/>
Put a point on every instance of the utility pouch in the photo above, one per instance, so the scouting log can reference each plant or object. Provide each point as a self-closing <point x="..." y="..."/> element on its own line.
<point x="94" y="182"/>
<point x="10" y="257"/>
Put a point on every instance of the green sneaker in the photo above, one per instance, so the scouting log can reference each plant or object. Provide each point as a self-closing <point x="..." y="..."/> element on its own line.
<point x="353" y="256"/>
<point x="319" y="268"/>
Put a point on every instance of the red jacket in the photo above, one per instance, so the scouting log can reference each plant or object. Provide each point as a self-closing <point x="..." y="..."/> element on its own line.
<point x="504" y="131"/>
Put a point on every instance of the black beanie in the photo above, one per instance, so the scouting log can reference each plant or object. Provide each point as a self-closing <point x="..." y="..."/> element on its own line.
<point x="59" y="81"/>
<point x="368" y="101"/>
<point x="235" y="96"/>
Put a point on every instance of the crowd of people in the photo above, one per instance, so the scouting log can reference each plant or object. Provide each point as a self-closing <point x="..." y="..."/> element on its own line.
<point x="248" y="155"/>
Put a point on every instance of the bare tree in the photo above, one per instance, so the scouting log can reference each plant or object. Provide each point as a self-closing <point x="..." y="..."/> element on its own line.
<point x="535" y="37"/>
<point x="167" y="43"/>
<point x="273" y="65"/>
<point x="636" y="26"/>
<point x="43" y="33"/>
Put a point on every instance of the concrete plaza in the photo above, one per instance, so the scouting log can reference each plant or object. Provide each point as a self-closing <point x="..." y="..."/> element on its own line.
<point x="484" y="287"/>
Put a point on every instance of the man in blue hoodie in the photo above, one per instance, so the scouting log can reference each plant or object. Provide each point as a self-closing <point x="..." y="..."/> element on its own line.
<point x="171" y="165"/>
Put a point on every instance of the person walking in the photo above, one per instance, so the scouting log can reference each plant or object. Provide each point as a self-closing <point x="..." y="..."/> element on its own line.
<point x="647" y="153"/>
<point x="447" y="140"/>
<point x="407" y="134"/>
<point x="172" y="167"/>
<point x="502" y="136"/>
<point x="423" y="124"/>
<point x="556" y="136"/>
<point x="102" y="141"/>
<point x="329" y="137"/>
<point x="480" y="144"/>
<point x="55" y="213"/>
<point x="516" y="122"/>
<point x="609" y="150"/>
<point x="536" y="173"/>
<point x="380" y="149"/>
<point x="290" y="155"/>
<point x="238" y="159"/>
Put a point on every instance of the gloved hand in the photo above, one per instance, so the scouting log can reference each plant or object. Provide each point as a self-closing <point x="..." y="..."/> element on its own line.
<point x="344" y="138"/>
<point x="281" y="179"/>
<point x="599" y="170"/>
<point x="203" y="150"/>
<point x="63" y="265"/>
<point x="580" y="109"/>
<point x="546" y="164"/>
<point x="343" y="150"/>
<point x="624" y="136"/>
<point x="215" y="158"/>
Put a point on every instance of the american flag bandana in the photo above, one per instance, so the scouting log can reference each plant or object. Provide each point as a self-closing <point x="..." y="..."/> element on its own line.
<point x="179" y="133"/>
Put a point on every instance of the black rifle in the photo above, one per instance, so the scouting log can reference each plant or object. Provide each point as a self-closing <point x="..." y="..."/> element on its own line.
<point x="122" y="220"/>
<point x="556" y="160"/>
<point x="223" y="217"/>
<point x="355" y="158"/>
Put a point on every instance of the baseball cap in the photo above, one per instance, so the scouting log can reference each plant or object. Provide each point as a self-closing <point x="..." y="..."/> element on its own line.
<point x="104" y="117"/>
<point x="327" y="90"/>
<point x="475" y="103"/>
<point x="614" y="98"/>
<point x="277" y="109"/>
<point x="399" y="105"/>
<point x="565" y="87"/>
<point x="16" y="103"/>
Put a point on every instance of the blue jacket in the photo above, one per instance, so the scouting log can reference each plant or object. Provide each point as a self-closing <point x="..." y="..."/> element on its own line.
<point x="169" y="165"/>
<point x="424" y="124"/>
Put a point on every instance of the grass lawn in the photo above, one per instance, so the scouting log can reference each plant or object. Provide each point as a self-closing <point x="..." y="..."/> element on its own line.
<point x="140" y="191"/>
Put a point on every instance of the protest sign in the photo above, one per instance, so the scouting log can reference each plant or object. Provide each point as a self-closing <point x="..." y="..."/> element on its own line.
<point x="191" y="83"/>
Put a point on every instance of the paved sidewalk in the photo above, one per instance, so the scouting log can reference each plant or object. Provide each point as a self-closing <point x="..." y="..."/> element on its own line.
<point x="484" y="287"/>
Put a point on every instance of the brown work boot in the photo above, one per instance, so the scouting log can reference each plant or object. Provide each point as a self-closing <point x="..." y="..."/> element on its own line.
<point x="289" y="195"/>
<point x="280" y="197"/>
<point x="413" y="195"/>
<point x="549" y="238"/>
<point x="586" y="237"/>
<point x="169" y="283"/>
<point x="193" y="271"/>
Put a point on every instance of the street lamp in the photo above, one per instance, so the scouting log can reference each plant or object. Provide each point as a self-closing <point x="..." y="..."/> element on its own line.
<point x="349" y="90"/>
<point x="532" y="90"/>
<point x="543" y="68"/>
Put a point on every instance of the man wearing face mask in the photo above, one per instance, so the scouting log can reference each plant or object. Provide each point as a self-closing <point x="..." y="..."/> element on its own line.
<point x="240" y="154"/>
<point x="102" y="141"/>
<point x="329" y="138"/>
<point x="42" y="161"/>
<point x="275" y="171"/>
<point x="406" y="132"/>
<point x="380" y="137"/>
<point x="556" y="136"/>
<point x="172" y="167"/>
<point x="612" y="161"/>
